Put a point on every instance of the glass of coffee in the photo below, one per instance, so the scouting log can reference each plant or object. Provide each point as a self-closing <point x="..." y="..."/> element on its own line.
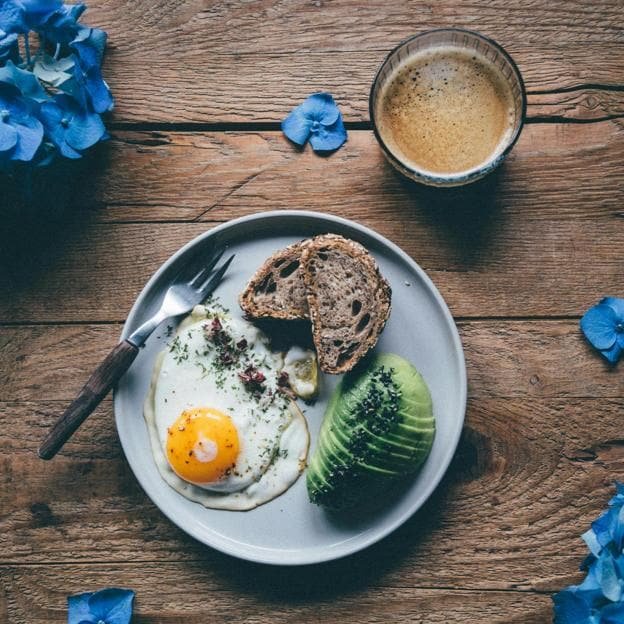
<point x="447" y="106"/>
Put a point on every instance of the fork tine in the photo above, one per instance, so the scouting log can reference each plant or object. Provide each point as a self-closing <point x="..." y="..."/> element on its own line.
<point x="205" y="270"/>
<point x="213" y="281"/>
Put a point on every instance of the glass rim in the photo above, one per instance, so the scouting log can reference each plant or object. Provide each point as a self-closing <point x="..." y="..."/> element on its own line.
<point x="463" y="176"/>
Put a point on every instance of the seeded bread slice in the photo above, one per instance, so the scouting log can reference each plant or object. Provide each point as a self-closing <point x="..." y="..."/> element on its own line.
<point x="348" y="300"/>
<point x="277" y="290"/>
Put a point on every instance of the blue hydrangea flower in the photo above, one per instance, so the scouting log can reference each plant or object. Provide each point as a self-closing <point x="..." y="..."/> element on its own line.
<point x="108" y="606"/>
<point x="20" y="16"/>
<point x="26" y="82"/>
<point x="609" y="527"/>
<point x="89" y="47"/>
<point x="317" y="120"/>
<point x="61" y="26"/>
<point x="603" y="326"/>
<point x="71" y="127"/>
<point x="21" y="132"/>
<point x="575" y="606"/>
<point x="13" y="17"/>
<point x="57" y="89"/>
<point x="38" y="11"/>
<point x="599" y="599"/>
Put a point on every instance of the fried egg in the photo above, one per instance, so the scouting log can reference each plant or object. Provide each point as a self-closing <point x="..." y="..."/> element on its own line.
<point x="222" y="431"/>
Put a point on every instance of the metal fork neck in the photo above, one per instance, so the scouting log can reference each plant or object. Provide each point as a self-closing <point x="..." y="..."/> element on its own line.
<point x="142" y="333"/>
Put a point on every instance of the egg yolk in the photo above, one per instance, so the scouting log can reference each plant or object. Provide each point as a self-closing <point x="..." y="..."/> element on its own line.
<point x="202" y="445"/>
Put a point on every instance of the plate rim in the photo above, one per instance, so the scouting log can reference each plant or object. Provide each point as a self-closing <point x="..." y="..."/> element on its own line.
<point x="324" y="554"/>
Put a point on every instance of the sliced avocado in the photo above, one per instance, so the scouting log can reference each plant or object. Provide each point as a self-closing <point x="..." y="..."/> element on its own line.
<point x="378" y="427"/>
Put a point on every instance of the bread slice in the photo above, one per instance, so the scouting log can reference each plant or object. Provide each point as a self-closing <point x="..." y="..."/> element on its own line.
<point x="277" y="290"/>
<point x="348" y="300"/>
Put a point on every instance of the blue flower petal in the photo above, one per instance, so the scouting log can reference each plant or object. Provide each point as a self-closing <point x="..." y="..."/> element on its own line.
<point x="602" y="529"/>
<point x="617" y="528"/>
<point x="101" y="97"/>
<point x="61" y="25"/>
<point x="598" y="325"/>
<point x="616" y="304"/>
<point x="591" y="539"/>
<point x="68" y="151"/>
<point x="25" y="81"/>
<point x="41" y="7"/>
<point x="78" y="609"/>
<point x="8" y="137"/>
<point x="613" y="614"/>
<point x="296" y="127"/>
<point x="320" y="107"/>
<point x="114" y="605"/>
<point x="12" y="17"/>
<point x="607" y="577"/>
<point x="30" y="133"/>
<point x="613" y="354"/>
<point x="329" y="139"/>
<point x="89" y="44"/>
<point x="89" y="48"/>
<point x="51" y="114"/>
<point x="571" y="607"/>
<point x="84" y="132"/>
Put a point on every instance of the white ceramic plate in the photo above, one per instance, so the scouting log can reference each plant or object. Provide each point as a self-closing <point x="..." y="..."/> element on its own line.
<point x="290" y="530"/>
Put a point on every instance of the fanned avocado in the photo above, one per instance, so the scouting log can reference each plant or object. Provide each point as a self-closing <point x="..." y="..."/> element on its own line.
<point x="378" y="427"/>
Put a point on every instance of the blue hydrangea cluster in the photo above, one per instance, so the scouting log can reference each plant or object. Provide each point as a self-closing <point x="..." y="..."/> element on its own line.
<point x="52" y="94"/>
<point x="107" y="606"/>
<point x="599" y="599"/>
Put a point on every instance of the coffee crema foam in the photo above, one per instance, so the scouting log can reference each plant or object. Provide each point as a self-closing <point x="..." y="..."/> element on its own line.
<point x="446" y="110"/>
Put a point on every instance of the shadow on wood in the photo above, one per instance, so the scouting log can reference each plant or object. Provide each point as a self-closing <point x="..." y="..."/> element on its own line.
<point x="43" y="213"/>
<point x="298" y="585"/>
<point x="467" y="217"/>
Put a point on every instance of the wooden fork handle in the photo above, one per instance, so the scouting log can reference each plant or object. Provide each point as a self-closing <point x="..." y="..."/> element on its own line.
<point x="105" y="376"/>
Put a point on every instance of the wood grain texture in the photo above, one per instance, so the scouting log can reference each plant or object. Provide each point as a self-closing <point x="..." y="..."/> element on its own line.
<point x="556" y="171"/>
<point x="171" y="593"/>
<point x="513" y="245"/>
<point x="529" y="476"/>
<point x="99" y="384"/>
<point x="182" y="61"/>
<point x="585" y="104"/>
<point x="518" y="257"/>
<point x="507" y="359"/>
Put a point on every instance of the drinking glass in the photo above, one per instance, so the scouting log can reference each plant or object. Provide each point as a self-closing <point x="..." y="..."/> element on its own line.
<point x="462" y="39"/>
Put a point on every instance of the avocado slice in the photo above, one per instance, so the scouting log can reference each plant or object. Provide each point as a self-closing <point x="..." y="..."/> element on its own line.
<point x="378" y="427"/>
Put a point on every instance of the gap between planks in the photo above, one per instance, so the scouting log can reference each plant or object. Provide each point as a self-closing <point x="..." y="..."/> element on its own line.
<point x="458" y="319"/>
<point x="130" y="564"/>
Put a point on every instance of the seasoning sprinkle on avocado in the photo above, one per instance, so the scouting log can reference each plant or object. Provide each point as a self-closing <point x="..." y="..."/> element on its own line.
<point x="378" y="428"/>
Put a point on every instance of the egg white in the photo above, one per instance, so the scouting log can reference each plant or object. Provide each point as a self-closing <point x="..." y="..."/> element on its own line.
<point x="273" y="433"/>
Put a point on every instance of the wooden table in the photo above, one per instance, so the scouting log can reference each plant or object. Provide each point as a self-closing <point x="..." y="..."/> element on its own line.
<point x="201" y="88"/>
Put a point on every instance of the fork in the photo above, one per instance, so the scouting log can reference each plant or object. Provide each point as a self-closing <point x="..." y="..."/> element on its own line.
<point x="192" y="286"/>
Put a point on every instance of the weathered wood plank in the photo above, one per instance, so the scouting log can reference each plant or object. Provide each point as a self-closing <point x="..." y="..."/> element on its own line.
<point x="518" y="244"/>
<point x="174" y="592"/>
<point x="529" y="476"/>
<point x="556" y="171"/>
<point x="505" y="359"/>
<point x="182" y="61"/>
<point x="583" y="104"/>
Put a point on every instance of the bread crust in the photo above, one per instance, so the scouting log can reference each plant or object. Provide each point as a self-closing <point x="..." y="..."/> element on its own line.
<point x="250" y="300"/>
<point x="378" y="310"/>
